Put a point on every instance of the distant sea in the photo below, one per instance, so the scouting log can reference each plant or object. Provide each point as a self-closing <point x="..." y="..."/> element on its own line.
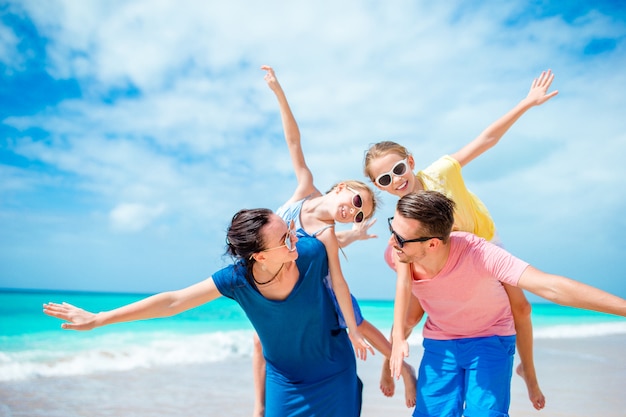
<point x="33" y="345"/>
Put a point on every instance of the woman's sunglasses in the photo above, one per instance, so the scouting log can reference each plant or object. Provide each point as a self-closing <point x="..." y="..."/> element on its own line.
<point x="357" y="202"/>
<point x="288" y="243"/>
<point x="384" y="179"/>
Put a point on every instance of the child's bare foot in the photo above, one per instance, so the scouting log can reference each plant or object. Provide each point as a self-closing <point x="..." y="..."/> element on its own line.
<point x="408" y="376"/>
<point x="537" y="398"/>
<point x="387" y="384"/>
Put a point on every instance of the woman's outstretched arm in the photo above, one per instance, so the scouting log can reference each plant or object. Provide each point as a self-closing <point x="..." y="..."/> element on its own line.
<point x="164" y="304"/>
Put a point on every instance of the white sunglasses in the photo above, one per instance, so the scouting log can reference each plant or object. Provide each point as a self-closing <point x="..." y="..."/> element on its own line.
<point x="384" y="179"/>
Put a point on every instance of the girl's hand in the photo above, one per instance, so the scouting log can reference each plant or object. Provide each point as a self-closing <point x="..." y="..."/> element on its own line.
<point x="360" y="345"/>
<point x="538" y="93"/>
<point x="270" y="78"/>
<point x="360" y="231"/>
<point x="399" y="351"/>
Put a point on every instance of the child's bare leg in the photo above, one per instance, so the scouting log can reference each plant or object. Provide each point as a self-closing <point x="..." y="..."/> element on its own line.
<point x="381" y="344"/>
<point x="387" y="383"/>
<point x="414" y="315"/>
<point x="521" y="309"/>
<point x="258" y="377"/>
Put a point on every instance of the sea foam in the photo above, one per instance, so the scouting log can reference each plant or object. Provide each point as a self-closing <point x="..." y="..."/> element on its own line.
<point x="570" y="331"/>
<point x="124" y="352"/>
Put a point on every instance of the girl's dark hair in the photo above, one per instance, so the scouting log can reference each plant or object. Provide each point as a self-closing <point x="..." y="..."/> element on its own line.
<point x="433" y="210"/>
<point x="243" y="237"/>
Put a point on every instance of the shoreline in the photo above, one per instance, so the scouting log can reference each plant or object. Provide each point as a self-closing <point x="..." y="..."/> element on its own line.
<point x="580" y="377"/>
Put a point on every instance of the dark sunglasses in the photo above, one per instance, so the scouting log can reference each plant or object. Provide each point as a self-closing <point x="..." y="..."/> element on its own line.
<point x="384" y="179"/>
<point x="401" y="241"/>
<point x="358" y="204"/>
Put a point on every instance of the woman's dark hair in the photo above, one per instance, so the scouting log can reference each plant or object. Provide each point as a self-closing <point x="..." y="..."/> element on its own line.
<point x="243" y="237"/>
<point x="433" y="210"/>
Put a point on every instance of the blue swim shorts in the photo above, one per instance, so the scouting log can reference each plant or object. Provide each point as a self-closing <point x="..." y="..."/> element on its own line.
<point x="469" y="377"/>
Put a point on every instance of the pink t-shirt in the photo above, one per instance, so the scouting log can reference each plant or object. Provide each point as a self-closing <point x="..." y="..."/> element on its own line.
<point x="467" y="298"/>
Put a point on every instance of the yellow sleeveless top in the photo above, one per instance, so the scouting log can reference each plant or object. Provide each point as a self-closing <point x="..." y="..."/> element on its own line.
<point x="471" y="214"/>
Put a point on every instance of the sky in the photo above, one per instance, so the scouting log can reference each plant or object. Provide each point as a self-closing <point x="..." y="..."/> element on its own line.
<point x="132" y="131"/>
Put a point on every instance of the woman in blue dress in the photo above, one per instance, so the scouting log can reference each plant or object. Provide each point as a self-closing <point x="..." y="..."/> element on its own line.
<point x="311" y="366"/>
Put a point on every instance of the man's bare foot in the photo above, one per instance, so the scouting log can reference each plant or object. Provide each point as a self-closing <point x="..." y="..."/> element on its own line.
<point x="537" y="398"/>
<point x="410" y="393"/>
<point x="387" y="384"/>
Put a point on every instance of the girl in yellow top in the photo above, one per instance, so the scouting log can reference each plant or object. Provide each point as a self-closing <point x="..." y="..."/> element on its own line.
<point x="390" y="166"/>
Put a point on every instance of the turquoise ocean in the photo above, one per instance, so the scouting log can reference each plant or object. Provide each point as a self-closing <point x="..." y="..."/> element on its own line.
<point x="33" y="345"/>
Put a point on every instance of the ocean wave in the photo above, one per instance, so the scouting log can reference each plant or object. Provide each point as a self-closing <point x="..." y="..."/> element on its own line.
<point x="123" y="352"/>
<point x="562" y="331"/>
<point x="580" y="330"/>
<point x="80" y="354"/>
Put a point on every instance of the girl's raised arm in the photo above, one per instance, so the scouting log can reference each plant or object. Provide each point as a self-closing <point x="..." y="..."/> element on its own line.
<point x="399" y="345"/>
<point x="292" y="137"/>
<point x="489" y="137"/>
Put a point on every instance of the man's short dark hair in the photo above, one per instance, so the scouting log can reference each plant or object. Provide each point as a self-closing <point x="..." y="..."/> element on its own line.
<point x="432" y="209"/>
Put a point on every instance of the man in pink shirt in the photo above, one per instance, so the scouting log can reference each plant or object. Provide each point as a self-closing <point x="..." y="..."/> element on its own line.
<point x="469" y="335"/>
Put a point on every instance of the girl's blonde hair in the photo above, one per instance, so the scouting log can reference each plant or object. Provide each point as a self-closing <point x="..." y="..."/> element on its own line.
<point x="360" y="186"/>
<point x="380" y="149"/>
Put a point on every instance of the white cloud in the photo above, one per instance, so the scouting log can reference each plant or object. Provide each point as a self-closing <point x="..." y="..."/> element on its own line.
<point x="133" y="217"/>
<point x="201" y="137"/>
<point x="9" y="55"/>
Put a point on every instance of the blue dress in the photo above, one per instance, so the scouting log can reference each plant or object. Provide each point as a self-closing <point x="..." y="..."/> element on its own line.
<point x="291" y="211"/>
<point x="311" y="367"/>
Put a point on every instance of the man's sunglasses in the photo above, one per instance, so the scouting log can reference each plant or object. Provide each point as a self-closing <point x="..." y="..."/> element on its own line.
<point x="357" y="202"/>
<point x="401" y="241"/>
<point x="384" y="179"/>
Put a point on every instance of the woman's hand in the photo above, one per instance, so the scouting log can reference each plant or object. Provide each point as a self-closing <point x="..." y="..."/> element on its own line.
<point x="77" y="318"/>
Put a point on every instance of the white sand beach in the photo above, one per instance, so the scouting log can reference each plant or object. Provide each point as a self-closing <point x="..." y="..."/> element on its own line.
<point x="580" y="378"/>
